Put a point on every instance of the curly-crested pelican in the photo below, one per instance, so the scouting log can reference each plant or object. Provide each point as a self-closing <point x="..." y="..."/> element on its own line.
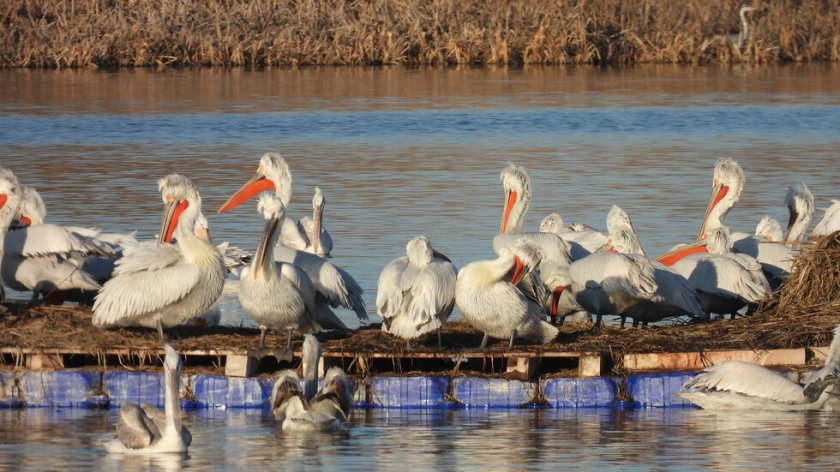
<point x="800" y="203"/>
<point x="165" y="284"/>
<point x="830" y="222"/>
<point x="310" y="234"/>
<point x="416" y="292"/>
<point x="334" y="286"/>
<point x="306" y="410"/>
<point x="487" y="296"/>
<point x="144" y="429"/>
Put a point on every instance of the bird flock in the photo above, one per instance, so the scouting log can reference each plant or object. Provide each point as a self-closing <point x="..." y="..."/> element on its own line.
<point x="536" y="281"/>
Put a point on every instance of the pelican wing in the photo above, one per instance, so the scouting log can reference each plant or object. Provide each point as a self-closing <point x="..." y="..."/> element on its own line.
<point x="774" y="257"/>
<point x="432" y="290"/>
<point x="307" y="227"/>
<point x="286" y="395"/>
<point x="830" y="221"/>
<point x="616" y="272"/>
<point x="135" y="429"/>
<point x="144" y="281"/>
<point x="674" y="289"/>
<point x="722" y="276"/>
<point x="390" y="290"/>
<point x="47" y="239"/>
<point x="551" y="246"/>
<point x="747" y="379"/>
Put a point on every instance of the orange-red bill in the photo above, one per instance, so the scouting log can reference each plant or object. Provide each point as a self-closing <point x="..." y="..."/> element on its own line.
<point x="25" y="221"/>
<point x="716" y="198"/>
<point x="3" y="198"/>
<point x="674" y="256"/>
<point x="256" y="185"/>
<point x="555" y="300"/>
<point x="518" y="271"/>
<point x="509" y="202"/>
<point x="171" y="222"/>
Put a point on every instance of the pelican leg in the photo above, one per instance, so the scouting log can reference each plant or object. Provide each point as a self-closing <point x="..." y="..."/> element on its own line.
<point x="510" y="344"/>
<point x="440" y="337"/>
<point x="484" y="341"/>
<point x="597" y="328"/>
<point x="623" y="320"/>
<point x="635" y="323"/>
<point x="263" y="329"/>
<point x="561" y="320"/>
<point x="289" y="340"/>
<point x="159" y="325"/>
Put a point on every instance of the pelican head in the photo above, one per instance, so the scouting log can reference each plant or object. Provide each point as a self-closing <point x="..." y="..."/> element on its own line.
<point x="718" y="240"/>
<point x="556" y="279"/>
<point x="769" y="229"/>
<point x="318" y="200"/>
<point x="181" y="202"/>
<point x="626" y="241"/>
<point x="272" y="174"/>
<point x="172" y="361"/>
<point x="420" y="251"/>
<point x="618" y="219"/>
<point x="31" y="210"/>
<point x="553" y="223"/>
<point x="523" y="257"/>
<point x="800" y="203"/>
<point x="273" y="211"/>
<point x="9" y="195"/>
<point x="727" y="185"/>
<point x="517" y="187"/>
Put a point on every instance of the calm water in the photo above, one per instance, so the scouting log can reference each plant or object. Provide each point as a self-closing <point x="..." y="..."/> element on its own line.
<point x="589" y="439"/>
<point x="405" y="152"/>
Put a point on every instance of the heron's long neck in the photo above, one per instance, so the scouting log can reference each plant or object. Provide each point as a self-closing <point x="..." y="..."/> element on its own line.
<point x="172" y="404"/>
<point x="744" y="34"/>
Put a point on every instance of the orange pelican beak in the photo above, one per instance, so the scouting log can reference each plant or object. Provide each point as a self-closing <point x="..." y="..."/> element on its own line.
<point x="438" y="255"/>
<point x="25" y="221"/>
<point x="718" y="192"/>
<point x="510" y="201"/>
<point x="518" y="270"/>
<point x="674" y="256"/>
<point x="555" y="300"/>
<point x="791" y="221"/>
<point x="258" y="183"/>
<point x="171" y="214"/>
<point x="606" y="247"/>
<point x="3" y="199"/>
<point x="262" y="250"/>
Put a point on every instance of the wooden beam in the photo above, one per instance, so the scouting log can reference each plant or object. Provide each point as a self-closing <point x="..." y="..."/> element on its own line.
<point x="240" y="366"/>
<point x="678" y="361"/>
<point x="589" y="365"/>
<point x="44" y="361"/>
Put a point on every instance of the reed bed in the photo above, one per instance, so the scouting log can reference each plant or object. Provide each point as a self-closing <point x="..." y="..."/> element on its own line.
<point x="260" y="33"/>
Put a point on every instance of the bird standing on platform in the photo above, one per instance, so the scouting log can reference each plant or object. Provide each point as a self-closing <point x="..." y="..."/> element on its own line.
<point x="416" y="292"/>
<point x="165" y="284"/>
<point x="310" y="234"/>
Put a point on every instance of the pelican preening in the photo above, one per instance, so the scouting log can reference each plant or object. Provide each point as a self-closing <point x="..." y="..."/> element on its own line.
<point x="416" y="292"/>
<point x="144" y="429"/>
<point x="305" y="410"/>
<point x="165" y="284"/>
<point x="310" y="234"/>
<point x="277" y="295"/>
<point x="737" y="385"/>
<point x="334" y="286"/>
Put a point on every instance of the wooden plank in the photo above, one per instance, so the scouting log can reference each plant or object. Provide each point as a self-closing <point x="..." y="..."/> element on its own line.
<point x="820" y="353"/>
<point x="44" y="361"/>
<point x="521" y="365"/>
<point x="590" y="365"/>
<point x="240" y="366"/>
<point x="678" y="361"/>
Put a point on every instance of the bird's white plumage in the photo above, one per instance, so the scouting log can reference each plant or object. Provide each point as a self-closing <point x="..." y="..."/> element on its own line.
<point x="769" y="229"/>
<point x="830" y="222"/>
<point x="800" y="204"/>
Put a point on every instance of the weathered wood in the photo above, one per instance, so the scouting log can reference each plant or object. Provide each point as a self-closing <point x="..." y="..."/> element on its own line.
<point x="521" y="365"/>
<point x="44" y="361"/>
<point x="240" y="366"/>
<point x="589" y="365"/>
<point x="679" y="361"/>
<point x="820" y="353"/>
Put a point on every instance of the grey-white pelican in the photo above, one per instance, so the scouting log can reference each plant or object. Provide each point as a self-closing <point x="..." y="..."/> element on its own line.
<point x="310" y="234"/>
<point x="165" y="284"/>
<point x="800" y="203"/>
<point x="830" y="222"/>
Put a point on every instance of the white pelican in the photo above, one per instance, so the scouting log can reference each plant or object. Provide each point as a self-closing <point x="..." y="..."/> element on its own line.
<point x="144" y="429"/>
<point x="830" y="222"/>
<point x="306" y="410"/>
<point x="769" y="229"/>
<point x="166" y="284"/>
<point x="674" y="296"/>
<point x="310" y="234"/>
<point x="723" y="280"/>
<point x="233" y="256"/>
<point x="277" y="295"/>
<point x="9" y="201"/>
<point x="43" y="258"/>
<point x="517" y="187"/>
<point x="800" y="203"/>
<point x="416" y="292"/>
<point x="487" y="296"/>
<point x="335" y="286"/>
<point x="737" y="385"/>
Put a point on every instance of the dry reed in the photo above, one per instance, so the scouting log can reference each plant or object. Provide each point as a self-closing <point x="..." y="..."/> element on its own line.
<point x="258" y="33"/>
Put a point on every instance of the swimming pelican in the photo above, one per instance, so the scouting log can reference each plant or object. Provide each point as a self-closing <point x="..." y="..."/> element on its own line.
<point x="304" y="410"/>
<point x="800" y="203"/>
<point x="769" y="229"/>
<point x="724" y="281"/>
<point x="517" y="187"/>
<point x="144" y="429"/>
<point x="277" y="295"/>
<point x="830" y="221"/>
<point x="44" y="258"/>
<point x="416" y="292"/>
<point x="165" y="284"/>
<point x="737" y="385"/>
<point x="310" y="234"/>
<point x="334" y="285"/>
<point x="487" y="296"/>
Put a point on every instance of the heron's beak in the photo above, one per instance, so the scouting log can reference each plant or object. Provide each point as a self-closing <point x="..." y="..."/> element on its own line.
<point x="555" y="300"/>
<point x="171" y="214"/>
<point x="510" y="201"/>
<point x="674" y="256"/>
<point x="258" y="183"/>
<point x="260" y="257"/>
<point x="719" y="191"/>
<point x="438" y="255"/>
<point x="518" y="270"/>
<point x="794" y="216"/>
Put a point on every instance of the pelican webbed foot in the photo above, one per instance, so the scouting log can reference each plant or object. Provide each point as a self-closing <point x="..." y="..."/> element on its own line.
<point x="281" y="355"/>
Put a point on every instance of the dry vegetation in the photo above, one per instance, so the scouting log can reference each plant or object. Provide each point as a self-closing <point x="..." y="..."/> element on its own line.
<point x="256" y="33"/>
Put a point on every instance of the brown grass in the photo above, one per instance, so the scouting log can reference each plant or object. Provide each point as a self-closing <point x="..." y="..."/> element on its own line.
<point x="257" y="33"/>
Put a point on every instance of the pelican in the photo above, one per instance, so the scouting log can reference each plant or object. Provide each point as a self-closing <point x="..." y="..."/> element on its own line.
<point x="487" y="296"/>
<point x="738" y="385"/>
<point x="310" y="234"/>
<point x="723" y="280"/>
<point x="234" y="257"/>
<point x="517" y="187"/>
<point x="673" y="296"/>
<point x="144" y="429"/>
<point x="277" y="295"/>
<point x="830" y="221"/>
<point x="43" y="258"/>
<point x="416" y="292"/>
<point x="165" y="284"/>
<point x="9" y="201"/>
<point x="800" y="203"/>
<point x="334" y="286"/>
<point x="769" y="229"/>
<point x="306" y="410"/>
